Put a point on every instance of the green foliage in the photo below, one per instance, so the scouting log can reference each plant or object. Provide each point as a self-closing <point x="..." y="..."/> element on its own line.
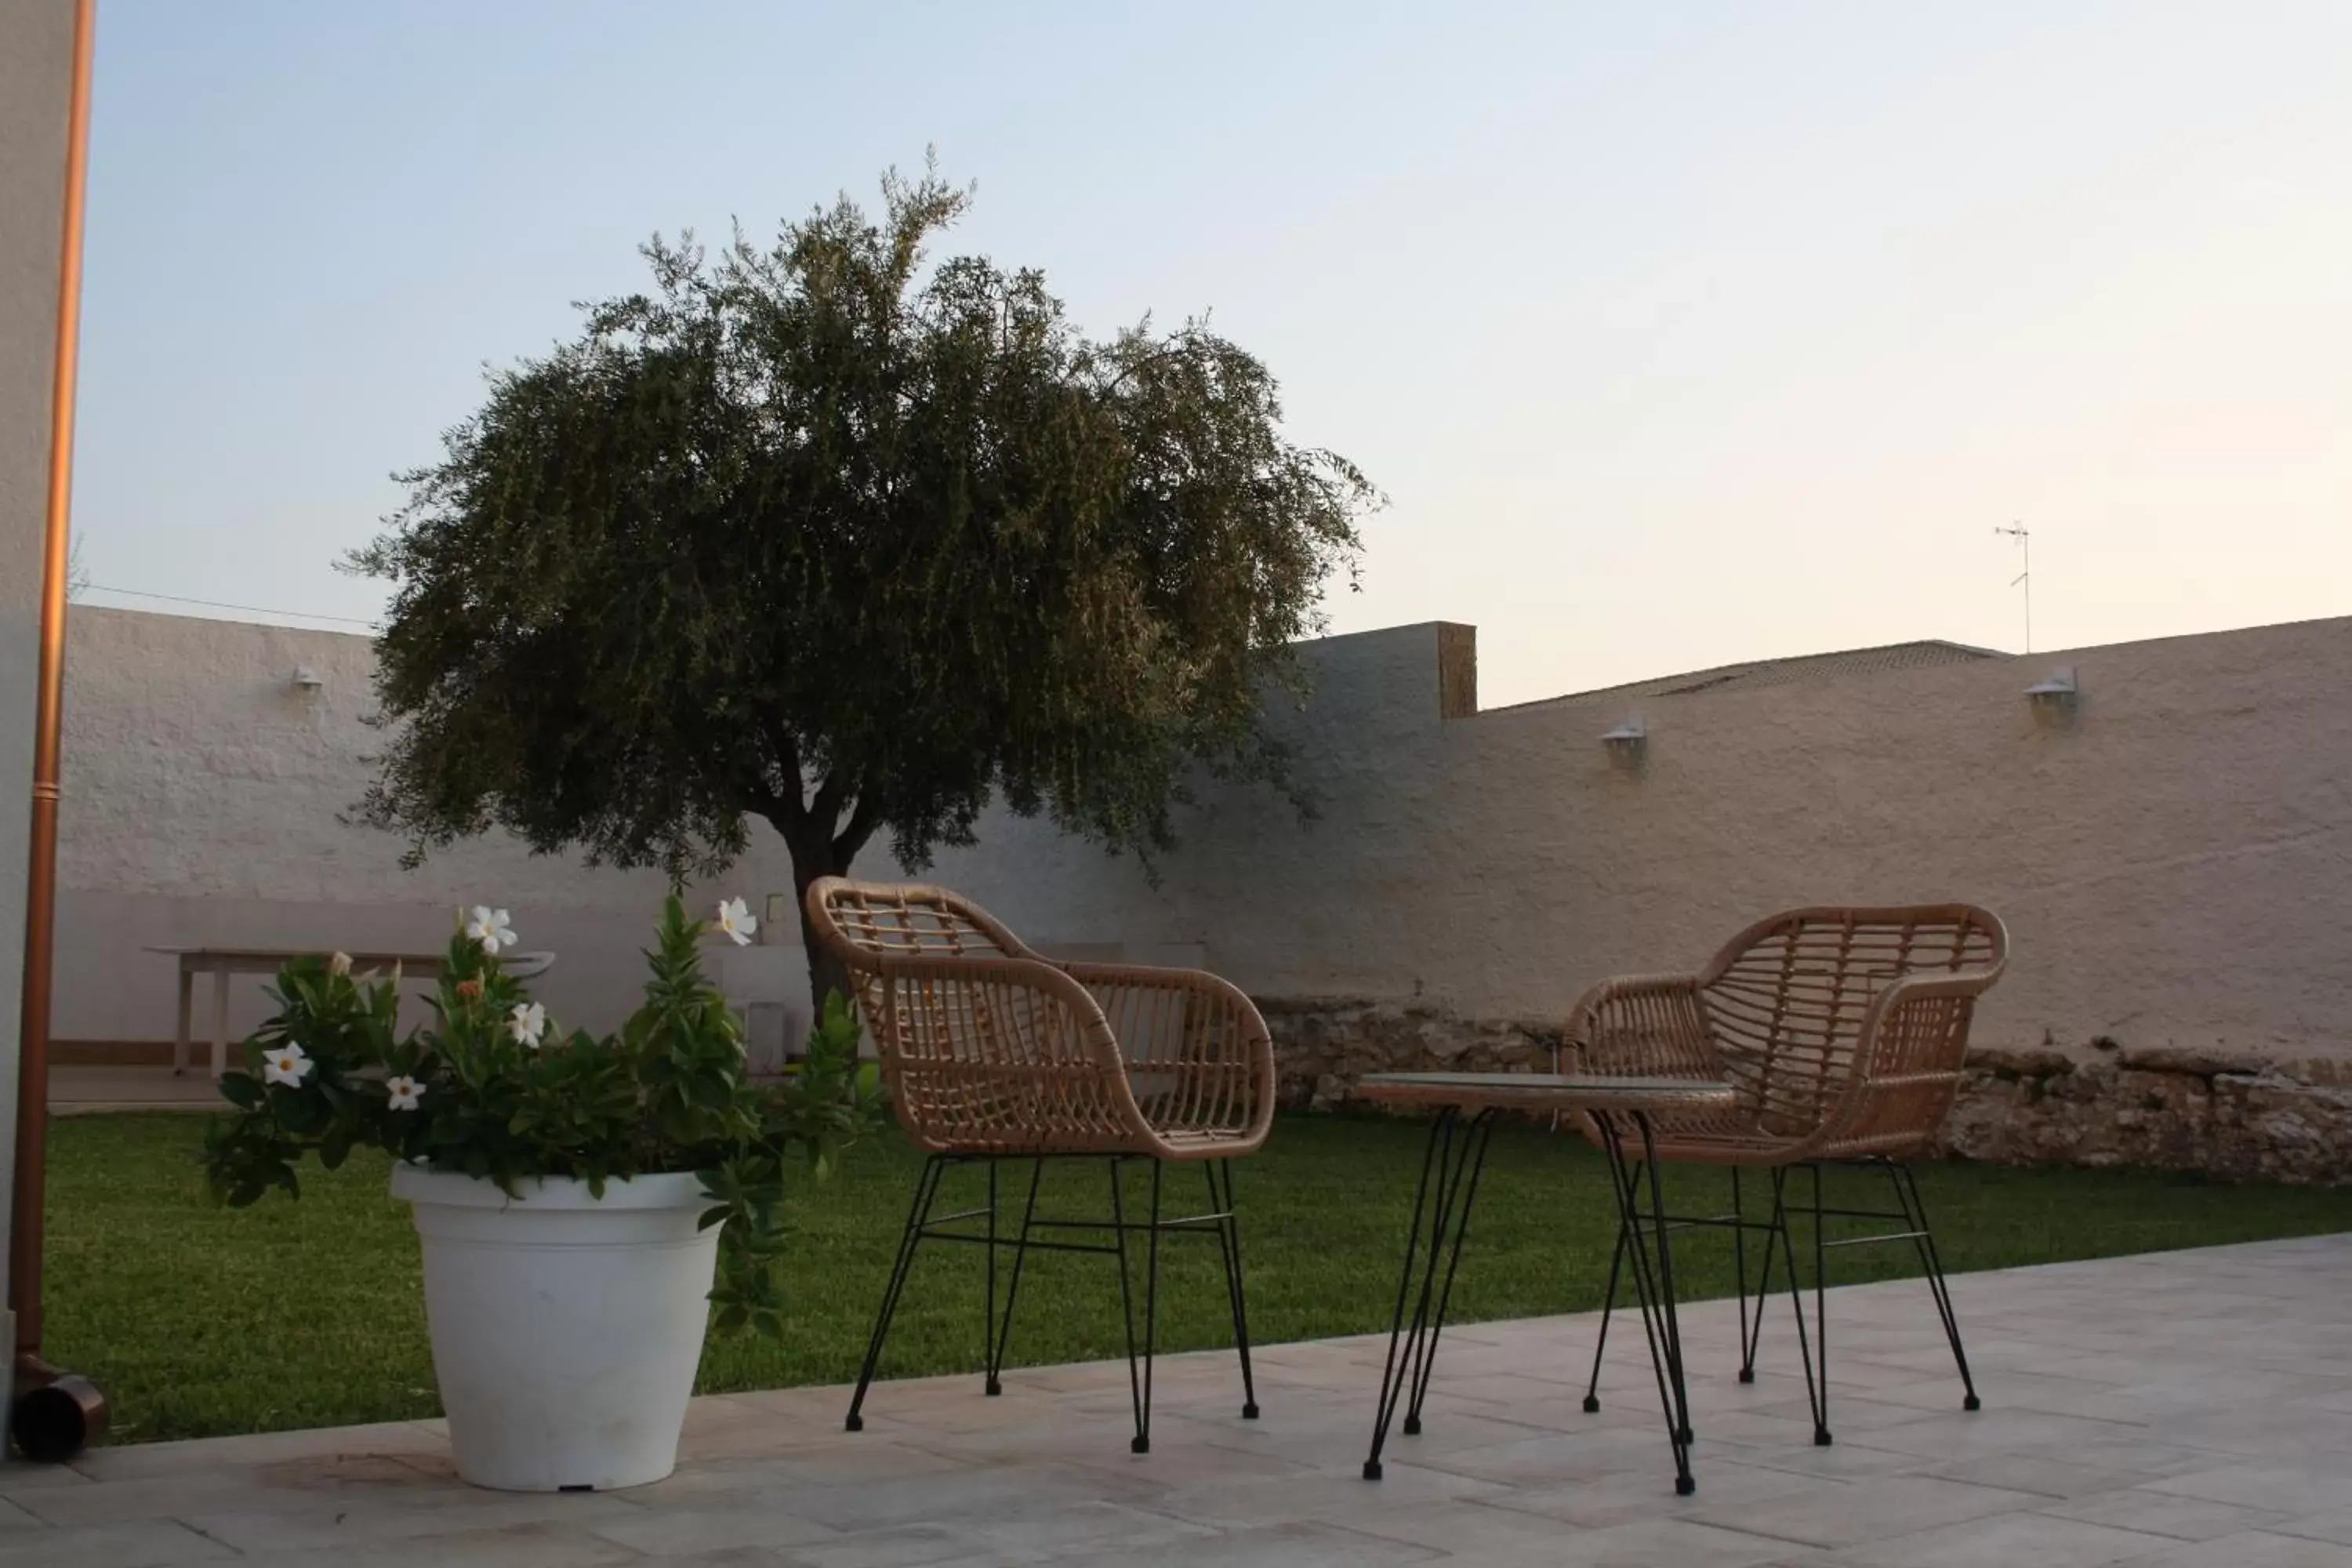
<point x="822" y="535"/>
<point x="489" y="1089"/>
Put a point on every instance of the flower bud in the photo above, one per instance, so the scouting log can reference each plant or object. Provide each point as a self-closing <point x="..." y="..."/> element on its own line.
<point x="471" y="990"/>
<point x="340" y="965"/>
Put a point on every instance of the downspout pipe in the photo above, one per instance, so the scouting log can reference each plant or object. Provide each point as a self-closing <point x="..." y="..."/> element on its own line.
<point x="52" y="1413"/>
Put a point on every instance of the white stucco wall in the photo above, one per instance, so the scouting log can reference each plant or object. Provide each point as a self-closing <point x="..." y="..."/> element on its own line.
<point x="36" y="92"/>
<point x="2175" y="862"/>
<point x="206" y="803"/>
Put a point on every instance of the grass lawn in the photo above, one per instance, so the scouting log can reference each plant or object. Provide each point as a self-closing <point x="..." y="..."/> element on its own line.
<point x="199" y="1320"/>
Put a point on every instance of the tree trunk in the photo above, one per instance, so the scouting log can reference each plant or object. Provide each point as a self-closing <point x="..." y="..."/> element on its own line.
<point x="828" y="973"/>
<point x="821" y="845"/>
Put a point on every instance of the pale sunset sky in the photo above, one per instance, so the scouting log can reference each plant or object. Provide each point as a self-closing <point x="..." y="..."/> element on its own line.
<point x="1677" y="334"/>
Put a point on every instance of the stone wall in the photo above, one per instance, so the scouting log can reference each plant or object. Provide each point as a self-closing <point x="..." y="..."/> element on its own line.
<point x="2226" y="1113"/>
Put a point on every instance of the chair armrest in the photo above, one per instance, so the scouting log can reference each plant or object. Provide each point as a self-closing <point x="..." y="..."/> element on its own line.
<point x="1643" y="1026"/>
<point x="1907" y="1066"/>
<point x="1195" y="1040"/>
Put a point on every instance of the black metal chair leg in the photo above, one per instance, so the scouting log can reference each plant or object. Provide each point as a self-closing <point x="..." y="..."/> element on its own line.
<point x="1220" y="1173"/>
<point x="1482" y="1132"/>
<point x="1608" y="1310"/>
<point x="1775" y="1236"/>
<point x="1740" y="1271"/>
<point x="1126" y="1296"/>
<point x="1142" y="1444"/>
<point x="1003" y="1337"/>
<point x="988" y="1279"/>
<point x="927" y="1187"/>
<point x="1815" y="1399"/>
<point x="1820" y="1311"/>
<point x="1906" y="1193"/>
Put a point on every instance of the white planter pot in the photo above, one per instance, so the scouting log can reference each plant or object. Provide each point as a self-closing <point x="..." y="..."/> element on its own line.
<point x="566" y="1329"/>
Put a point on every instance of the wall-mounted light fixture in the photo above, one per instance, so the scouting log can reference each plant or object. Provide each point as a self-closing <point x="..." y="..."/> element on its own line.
<point x="307" y="680"/>
<point x="1628" y="741"/>
<point x="2055" y="694"/>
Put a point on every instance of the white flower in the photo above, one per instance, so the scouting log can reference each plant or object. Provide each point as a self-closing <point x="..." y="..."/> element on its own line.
<point x="288" y="1065"/>
<point x="527" y="1022"/>
<point x="735" y="919"/>
<point x="489" y="928"/>
<point x="404" y="1091"/>
<point x="340" y="965"/>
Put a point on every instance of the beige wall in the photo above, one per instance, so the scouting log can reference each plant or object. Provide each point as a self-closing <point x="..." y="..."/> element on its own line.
<point x="2175" y="861"/>
<point x="36" y="88"/>
<point x="206" y="798"/>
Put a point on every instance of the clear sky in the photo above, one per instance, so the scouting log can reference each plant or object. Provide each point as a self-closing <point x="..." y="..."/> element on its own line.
<point x="1677" y="334"/>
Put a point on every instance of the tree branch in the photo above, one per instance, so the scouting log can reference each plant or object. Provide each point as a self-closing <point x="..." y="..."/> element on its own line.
<point x="831" y="796"/>
<point x="862" y="821"/>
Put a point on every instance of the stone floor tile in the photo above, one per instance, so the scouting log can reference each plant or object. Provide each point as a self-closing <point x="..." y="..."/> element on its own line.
<point x="1650" y="1543"/>
<point x="1336" y="1493"/>
<point x="899" y="1546"/>
<point x="1843" y="1461"/>
<point x="2296" y="1489"/>
<point x="210" y="1457"/>
<point x="143" y="1543"/>
<point x="1630" y="1496"/>
<point x="1868" y="1510"/>
<point x="1289" y="1545"/>
<point x="518" y="1546"/>
<point x="328" y="1525"/>
<point x="2335" y="1525"/>
<point x="1990" y="1432"/>
<point x="2041" y="1471"/>
<point x="1546" y="1458"/>
<point x="1465" y="1530"/>
<point x="2005" y="1541"/>
<point x="674" y="1532"/>
<point x="1093" y="1529"/>
<point x="2160" y="1514"/>
<point x="2251" y="1549"/>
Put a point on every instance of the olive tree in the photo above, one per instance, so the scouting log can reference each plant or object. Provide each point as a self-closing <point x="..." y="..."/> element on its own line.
<point x="833" y="536"/>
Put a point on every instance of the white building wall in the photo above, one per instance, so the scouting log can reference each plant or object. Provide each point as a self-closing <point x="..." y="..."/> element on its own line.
<point x="2175" y="862"/>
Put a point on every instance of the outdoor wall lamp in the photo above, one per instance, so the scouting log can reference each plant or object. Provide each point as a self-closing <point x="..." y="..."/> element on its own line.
<point x="1628" y="741"/>
<point x="2056" y="694"/>
<point x="307" y="680"/>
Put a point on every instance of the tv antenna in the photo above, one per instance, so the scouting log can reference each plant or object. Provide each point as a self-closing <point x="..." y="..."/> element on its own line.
<point x="2024" y="579"/>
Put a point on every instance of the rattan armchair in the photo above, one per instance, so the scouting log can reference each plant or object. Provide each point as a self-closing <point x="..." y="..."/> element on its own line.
<point x="1844" y="1031"/>
<point x="992" y="1052"/>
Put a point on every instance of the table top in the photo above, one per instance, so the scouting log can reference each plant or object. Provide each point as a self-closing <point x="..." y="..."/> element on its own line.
<point x="269" y="960"/>
<point x="276" y="955"/>
<point x="1546" y="1091"/>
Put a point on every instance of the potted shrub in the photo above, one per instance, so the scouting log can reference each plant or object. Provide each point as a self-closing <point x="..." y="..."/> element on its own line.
<point x="587" y="1207"/>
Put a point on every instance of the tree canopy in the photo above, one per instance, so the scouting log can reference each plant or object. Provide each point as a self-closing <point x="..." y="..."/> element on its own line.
<point x="825" y="534"/>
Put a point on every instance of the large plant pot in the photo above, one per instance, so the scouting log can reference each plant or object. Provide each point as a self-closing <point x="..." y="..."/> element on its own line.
<point x="566" y="1328"/>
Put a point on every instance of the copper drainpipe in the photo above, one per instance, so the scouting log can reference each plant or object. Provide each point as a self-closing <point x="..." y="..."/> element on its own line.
<point x="53" y="1413"/>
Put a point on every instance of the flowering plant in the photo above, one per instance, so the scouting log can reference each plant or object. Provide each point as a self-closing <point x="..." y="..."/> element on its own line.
<point x="490" y="1088"/>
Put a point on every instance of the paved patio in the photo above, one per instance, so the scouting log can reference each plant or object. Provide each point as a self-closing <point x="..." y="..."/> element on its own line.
<point x="2165" y="1411"/>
